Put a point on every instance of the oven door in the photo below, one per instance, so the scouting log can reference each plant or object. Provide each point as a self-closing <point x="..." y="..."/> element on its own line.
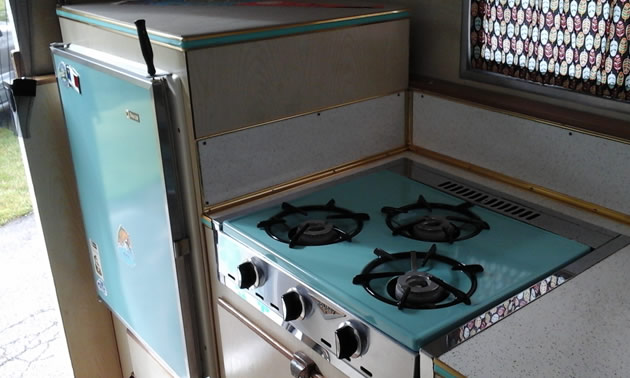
<point x="249" y="351"/>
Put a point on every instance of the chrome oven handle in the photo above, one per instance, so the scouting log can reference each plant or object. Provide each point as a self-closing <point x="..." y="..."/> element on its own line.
<point x="303" y="367"/>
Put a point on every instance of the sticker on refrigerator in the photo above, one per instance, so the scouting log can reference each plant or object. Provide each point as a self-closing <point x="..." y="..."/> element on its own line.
<point x="100" y="284"/>
<point x="124" y="245"/>
<point x="96" y="260"/>
<point x="69" y="76"/>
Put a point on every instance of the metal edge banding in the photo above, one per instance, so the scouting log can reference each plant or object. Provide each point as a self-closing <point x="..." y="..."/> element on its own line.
<point x="198" y="139"/>
<point x="127" y="75"/>
<point x="444" y="370"/>
<point x="519" y="115"/>
<point x="299" y="181"/>
<point x="258" y="331"/>
<point x="166" y="122"/>
<point x="564" y="198"/>
<point x="236" y="36"/>
<point x="109" y="30"/>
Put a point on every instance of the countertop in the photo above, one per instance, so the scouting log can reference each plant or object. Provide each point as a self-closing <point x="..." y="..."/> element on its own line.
<point x="580" y="329"/>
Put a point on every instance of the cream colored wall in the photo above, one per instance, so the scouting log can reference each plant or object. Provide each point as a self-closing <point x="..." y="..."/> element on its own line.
<point x="87" y="323"/>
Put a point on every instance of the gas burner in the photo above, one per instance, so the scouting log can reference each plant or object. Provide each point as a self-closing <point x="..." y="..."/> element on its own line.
<point x="434" y="222"/>
<point x="385" y="278"/>
<point x="313" y="225"/>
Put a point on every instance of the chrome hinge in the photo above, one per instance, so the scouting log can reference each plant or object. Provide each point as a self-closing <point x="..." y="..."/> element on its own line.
<point x="181" y="247"/>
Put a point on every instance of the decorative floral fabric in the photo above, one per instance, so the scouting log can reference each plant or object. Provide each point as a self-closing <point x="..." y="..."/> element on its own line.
<point x="576" y="44"/>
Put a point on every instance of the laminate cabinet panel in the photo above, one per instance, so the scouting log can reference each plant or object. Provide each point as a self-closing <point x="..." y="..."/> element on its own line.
<point x="250" y="83"/>
<point x="246" y="354"/>
<point x="245" y="161"/>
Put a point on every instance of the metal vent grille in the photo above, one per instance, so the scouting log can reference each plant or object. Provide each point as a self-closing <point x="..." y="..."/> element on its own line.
<point x="495" y="203"/>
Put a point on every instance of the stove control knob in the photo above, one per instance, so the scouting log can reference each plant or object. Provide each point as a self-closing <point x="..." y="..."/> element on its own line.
<point x="349" y="340"/>
<point x="249" y="275"/>
<point x="294" y="306"/>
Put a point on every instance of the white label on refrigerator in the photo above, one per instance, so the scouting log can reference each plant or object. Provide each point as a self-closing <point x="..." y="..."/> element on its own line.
<point x="96" y="260"/>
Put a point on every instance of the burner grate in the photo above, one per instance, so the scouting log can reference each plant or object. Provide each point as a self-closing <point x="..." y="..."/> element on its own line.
<point x="434" y="222"/>
<point x="417" y="288"/>
<point x="313" y="225"/>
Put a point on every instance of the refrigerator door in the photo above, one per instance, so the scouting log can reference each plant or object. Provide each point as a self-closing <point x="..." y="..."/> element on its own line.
<point x="119" y="130"/>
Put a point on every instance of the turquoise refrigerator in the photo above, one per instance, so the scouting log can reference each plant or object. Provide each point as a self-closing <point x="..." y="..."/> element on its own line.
<point x="121" y="127"/>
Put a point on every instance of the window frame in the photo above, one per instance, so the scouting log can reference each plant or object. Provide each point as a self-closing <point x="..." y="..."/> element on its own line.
<point x="618" y="107"/>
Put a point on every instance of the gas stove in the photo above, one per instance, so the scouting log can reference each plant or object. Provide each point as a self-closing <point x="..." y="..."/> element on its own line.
<point x="387" y="268"/>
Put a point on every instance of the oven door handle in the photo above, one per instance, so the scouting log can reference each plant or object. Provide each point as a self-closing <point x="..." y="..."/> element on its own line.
<point x="300" y="364"/>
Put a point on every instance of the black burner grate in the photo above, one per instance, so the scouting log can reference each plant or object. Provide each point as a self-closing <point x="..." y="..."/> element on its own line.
<point x="434" y="222"/>
<point x="416" y="288"/>
<point x="314" y="224"/>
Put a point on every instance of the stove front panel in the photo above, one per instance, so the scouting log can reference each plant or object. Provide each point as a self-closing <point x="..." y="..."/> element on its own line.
<point x="512" y="253"/>
<point x="322" y="316"/>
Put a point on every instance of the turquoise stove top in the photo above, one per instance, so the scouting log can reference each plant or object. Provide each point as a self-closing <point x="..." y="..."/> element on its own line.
<point x="514" y="255"/>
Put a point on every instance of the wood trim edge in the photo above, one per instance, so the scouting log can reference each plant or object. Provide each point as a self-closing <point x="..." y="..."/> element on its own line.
<point x="570" y="200"/>
<point x="45" y="79"/>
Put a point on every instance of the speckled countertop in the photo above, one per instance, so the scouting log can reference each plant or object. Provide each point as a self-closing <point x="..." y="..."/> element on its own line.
<point x="580" y="329"/>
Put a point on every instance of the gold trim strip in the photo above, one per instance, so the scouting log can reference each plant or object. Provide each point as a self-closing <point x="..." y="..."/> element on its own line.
<point x="449" y="369"/>
<point x="520" y="115"/>
<point x="221" y="133"/>
<point x="296" y="25"/>
<point x="297" y="182"/>
<point x="409" y="117"/>
<point x="573" y="201"/>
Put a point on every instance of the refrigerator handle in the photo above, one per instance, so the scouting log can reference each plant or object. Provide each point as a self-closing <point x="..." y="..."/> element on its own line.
<point x="145" y="45"/>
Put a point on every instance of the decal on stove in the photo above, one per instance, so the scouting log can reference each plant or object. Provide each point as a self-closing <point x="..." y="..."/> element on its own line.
<point x="96" y="259"/>
<point x="328" y="312"/>
<point x="124" y="247"/>
<point x="506" y="308"/>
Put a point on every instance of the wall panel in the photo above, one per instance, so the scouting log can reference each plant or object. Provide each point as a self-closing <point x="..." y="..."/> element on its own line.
<point x="591" y="168"/>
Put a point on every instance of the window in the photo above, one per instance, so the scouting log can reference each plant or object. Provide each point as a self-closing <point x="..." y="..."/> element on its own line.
<point x="545" y="45"/>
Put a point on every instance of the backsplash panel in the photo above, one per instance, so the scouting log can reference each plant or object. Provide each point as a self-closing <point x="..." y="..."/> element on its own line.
<point x="591" y="168"/>
<point x="253" y="159"/>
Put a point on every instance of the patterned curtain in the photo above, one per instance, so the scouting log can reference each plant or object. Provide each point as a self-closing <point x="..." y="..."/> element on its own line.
<point x="577" y="44"/>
